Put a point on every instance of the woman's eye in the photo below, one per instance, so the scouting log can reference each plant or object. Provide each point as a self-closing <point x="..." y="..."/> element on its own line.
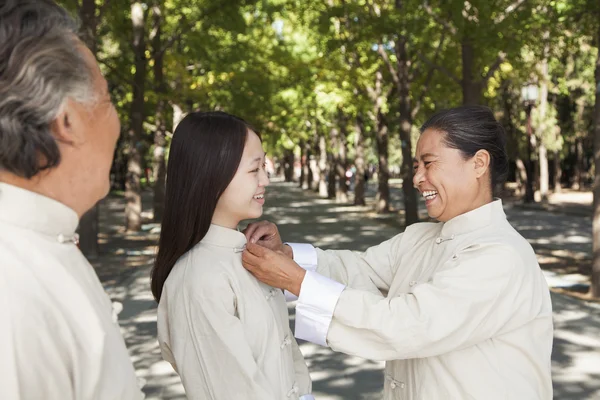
<point x="254" y="170"/>
<point x="426" y="163"/>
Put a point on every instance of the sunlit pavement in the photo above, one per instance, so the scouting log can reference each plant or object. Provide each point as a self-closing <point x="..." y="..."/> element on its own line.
<point x="304" y="217"/>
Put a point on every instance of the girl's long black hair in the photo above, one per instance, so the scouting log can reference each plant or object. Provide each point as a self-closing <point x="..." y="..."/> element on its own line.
<point x="205" y="153"/>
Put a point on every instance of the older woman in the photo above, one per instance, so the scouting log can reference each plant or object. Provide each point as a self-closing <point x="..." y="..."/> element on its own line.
<point x="467" y="313"/>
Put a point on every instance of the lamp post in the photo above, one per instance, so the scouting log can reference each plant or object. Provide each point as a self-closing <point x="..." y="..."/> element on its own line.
<point x="529" y="95"/>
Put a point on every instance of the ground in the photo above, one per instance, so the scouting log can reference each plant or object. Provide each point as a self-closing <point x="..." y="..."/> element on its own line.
<point x="559" y="231"/>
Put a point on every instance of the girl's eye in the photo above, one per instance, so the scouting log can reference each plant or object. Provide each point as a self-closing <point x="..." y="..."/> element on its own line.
<point x="254" y="170"/>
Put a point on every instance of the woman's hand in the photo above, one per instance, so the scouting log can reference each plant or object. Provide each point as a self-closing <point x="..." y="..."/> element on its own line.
<point x="273" y="268"/>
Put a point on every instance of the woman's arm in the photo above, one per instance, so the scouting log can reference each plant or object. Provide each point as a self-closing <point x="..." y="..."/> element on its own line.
<point x="371" y="270"/>
<point x="483" y="293"/>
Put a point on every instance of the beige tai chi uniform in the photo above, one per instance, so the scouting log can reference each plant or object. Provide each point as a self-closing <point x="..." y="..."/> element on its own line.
<point x="467" y="313"/>
<point x="226" y="333"/>
<point x="59" y="337"/>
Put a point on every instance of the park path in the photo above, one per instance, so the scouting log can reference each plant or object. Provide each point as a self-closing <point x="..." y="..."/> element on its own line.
<point x="563" y="239"/>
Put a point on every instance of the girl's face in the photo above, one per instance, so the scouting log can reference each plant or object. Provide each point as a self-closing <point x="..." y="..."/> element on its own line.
<point x="245" y="195"/>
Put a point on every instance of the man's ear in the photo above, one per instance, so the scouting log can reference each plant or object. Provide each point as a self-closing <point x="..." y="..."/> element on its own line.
<point x="62" y="127"/>
<point x="482" y="161"/>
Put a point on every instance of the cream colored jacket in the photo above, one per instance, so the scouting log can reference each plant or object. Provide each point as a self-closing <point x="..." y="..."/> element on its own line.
<point x="224" y="332"/>
<point x="467" y="313"/>
<point x="59" y="337"/>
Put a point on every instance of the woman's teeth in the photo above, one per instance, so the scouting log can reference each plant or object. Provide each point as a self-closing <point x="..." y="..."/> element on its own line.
<point x="429" y="195"/>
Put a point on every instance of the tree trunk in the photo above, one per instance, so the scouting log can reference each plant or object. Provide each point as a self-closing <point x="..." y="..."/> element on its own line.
<point x="595" y="282"/>
<point x="410" y="196"/>
<point x="542" y="152"/>
<point x="89" y="25"/>
<point x="160" y="135"/>
<point x="383" y="176"/>
<point x="521" y="177"/>
<point x="308" y="173"/>
<point x="359" y="188"/>
<point x="557" y="173"/>
<point x="303" y="174"/>
<point x="288" y="165"/>
<point x="133" y="190"/>
<point x="578" y="167"/>
<point x="322" y="165"/>
<point x="331" y="175"/>
<point x="88" y="233"/>
<point x="382" y="204"/>
<point x="471" y="88"/>
<point x="177" y="115"/>
<point x="88" y="224"/>
<point x="342" y="164"/>
<point x="530" y="169"/>
<point x="333" y="162"/>
<point x="544" y="175"/>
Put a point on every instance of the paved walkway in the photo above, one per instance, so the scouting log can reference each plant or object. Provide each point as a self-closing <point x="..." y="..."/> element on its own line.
<point x="302" y="216"/>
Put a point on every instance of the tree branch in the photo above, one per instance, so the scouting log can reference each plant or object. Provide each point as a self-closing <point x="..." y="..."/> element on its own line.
<point x="432" y="69"/>
<point x="509" y="10"/>
<point x="387" y="61"/>
<point x="445" y="24"/>
<point x="439" y="68"/>
<point x="494" y="67"/>
<point x="103" y="9"/>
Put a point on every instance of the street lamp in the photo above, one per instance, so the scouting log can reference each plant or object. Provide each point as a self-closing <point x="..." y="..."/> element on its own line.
<point x="529" y="95"/>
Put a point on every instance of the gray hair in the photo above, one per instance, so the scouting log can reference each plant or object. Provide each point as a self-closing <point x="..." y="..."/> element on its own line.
<point x="41" y="66"/>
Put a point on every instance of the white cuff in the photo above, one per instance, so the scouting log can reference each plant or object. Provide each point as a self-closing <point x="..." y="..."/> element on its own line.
<point x="289" y="296"/>
<point x="307" y="397"/>
<point x="314" y="310"/>
<point x="305" y="255"/>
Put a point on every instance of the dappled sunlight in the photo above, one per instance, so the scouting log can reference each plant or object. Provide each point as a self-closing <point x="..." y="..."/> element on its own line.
<point x="562" y="244"/>
<point x="576" y="351"/>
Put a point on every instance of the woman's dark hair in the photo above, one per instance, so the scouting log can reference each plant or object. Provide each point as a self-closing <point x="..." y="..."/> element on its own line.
<point x="205" y="153"/>
<point x="470" y="129"/>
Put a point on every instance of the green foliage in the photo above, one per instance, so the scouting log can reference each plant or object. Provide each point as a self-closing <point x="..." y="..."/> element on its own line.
<point x="292" y="67"/>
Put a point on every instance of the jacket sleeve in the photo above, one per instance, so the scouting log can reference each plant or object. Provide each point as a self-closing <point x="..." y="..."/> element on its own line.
<point x="371" y="270"/>
<point x="479" y="294"/>
<point x="208" y="345"/>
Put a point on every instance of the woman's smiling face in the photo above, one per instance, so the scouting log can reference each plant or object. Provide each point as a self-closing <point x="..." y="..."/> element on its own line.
<point x="444" y="177"/>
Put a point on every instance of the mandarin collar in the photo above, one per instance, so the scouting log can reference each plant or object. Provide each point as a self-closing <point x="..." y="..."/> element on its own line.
<point x="474" y="219"/>
<point x="225" y="237"/>
<point x="33" y="211"/>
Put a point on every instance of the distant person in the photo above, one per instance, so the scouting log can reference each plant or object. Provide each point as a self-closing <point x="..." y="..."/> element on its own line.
<point x="467" y="311"/>
<point x="59" y="338"/>
<point x="223" y="331"/>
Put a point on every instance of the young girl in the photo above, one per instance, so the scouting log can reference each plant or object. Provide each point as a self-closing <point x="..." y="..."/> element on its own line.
<point x="226" y="334"/>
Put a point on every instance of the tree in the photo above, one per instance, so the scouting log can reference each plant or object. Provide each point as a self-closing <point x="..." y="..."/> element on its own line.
<point x="135" y="133"/>
<point x="595" y="286"/>
<point x="88" y="224"/>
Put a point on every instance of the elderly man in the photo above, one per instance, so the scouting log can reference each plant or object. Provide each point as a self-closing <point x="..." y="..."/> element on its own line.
<point x="58" y="131"/>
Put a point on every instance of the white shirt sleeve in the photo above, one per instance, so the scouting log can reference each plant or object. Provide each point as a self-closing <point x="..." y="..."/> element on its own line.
<point x="314" y="310"/>
<point x="305" y="255"/>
